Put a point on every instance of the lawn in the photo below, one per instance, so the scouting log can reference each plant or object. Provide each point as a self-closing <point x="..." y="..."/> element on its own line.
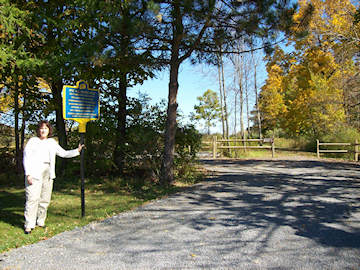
<point x="102" y="200"/>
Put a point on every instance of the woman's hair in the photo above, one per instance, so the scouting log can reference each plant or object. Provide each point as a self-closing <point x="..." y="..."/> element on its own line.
<point x="44" y="122"/>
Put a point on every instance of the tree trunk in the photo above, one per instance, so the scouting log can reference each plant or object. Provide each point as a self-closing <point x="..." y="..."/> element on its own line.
<point x="224" y="96"/>
<point x="241" y="93"/>
<point x="18" y="155"/>
<point x="235" y="110"/>
<point x="256" y="97"/>
<point x="120" y="139"/>
<point x="247" y="104"/>
<point x="23" y="126"/>
<point x="56" y="88"/>
<point x="167" y="171"/>
<point x="221" y="99"/>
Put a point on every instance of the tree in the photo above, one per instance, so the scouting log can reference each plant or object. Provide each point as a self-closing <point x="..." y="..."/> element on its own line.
<point x="123" y="27"/>
<point x="94" y="41"/>
<point x="223" y="94"/>
<point x="17" y="61"/>
<point x="188" y="28"/>
<point x="208" y="108"/>
<point x="258" y="117"/>
<point x="238" y="63"/>
<point x="309" y="87"/>
<point x="58" y="24"/>
<point x="271" y="101"/>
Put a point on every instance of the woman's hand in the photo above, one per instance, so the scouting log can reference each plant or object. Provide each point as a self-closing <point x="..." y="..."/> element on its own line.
<point x="29" y="179"/>
<point x="80" y="147"/>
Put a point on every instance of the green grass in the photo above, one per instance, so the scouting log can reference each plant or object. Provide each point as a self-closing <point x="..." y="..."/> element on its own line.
<point x="103" y="198"/>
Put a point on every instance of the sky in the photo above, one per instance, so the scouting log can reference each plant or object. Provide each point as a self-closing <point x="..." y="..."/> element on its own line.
<point x="194" y="80"/>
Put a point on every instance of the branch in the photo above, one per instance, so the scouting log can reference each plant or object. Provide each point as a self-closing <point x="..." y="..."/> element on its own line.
<point x="197" y="41"/>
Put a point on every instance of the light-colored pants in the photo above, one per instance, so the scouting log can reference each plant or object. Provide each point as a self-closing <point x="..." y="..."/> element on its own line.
<point x="38" y="196"/>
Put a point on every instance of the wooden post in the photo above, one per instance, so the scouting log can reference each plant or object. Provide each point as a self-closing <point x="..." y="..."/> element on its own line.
<point x="356" y="150"/>
<point x="214" y="147"/>
<point x="272" y="147"/>
<point x="317" y="149"/>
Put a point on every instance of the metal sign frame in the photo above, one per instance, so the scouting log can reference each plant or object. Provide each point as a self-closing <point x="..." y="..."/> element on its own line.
<point x="80" y="101"/>
<point x="81" y="104"/>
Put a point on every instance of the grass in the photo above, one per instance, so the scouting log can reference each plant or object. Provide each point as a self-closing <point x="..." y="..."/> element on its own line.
<point x="103" y="198"/>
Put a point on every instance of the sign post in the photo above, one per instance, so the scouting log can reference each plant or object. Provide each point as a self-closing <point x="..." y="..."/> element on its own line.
<point x="81" y="104"/>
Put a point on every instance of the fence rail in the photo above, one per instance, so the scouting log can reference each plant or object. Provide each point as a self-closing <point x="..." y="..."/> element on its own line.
<point x="356" y="148"/>
<point x="216" y="144"/>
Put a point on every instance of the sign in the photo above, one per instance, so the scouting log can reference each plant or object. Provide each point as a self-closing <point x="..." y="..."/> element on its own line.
<point x="80" y="103"/>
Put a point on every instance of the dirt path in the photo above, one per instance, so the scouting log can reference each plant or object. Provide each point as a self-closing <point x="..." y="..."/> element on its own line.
<point x="252" y="214"/>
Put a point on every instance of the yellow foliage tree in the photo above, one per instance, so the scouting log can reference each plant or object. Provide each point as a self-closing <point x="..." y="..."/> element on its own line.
<point x="5" y="101"/>
<point x="331" y="21"/>
<point x="271" y="102"/>
<point x="311" y="86"/>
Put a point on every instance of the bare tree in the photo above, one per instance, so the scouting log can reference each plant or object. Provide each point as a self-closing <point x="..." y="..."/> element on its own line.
<point x="237" y="60"/>
<point x="221" y="98"/>
<point x="255" y="64"/>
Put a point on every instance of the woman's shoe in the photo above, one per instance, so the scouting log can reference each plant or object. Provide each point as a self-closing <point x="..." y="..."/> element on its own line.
<point x="27" y="231"/>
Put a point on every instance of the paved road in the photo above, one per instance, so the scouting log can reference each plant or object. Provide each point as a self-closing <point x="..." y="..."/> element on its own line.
<point x="252" y="214"/>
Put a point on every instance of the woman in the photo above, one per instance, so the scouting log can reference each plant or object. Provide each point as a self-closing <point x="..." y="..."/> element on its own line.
<point x="39" y="165"/>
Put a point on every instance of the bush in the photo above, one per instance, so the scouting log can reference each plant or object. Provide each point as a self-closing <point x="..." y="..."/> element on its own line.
<point x="143" y="148"/>
<point x="188" y="144"/>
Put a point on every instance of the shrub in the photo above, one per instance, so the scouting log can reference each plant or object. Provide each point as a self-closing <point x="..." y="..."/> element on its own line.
<point x="144" y="145"/>
<point x="188" y="144"/>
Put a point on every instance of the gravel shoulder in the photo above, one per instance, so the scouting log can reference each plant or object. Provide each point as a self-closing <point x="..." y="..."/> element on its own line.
<point x="249" y="214"/>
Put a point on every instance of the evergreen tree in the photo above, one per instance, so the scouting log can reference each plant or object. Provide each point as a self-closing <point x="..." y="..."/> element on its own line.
<point x="192" y="29"/>
<point x="17" y="64"/>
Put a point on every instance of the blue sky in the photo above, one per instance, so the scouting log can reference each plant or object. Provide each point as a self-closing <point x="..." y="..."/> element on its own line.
<point x="194" y="80"/>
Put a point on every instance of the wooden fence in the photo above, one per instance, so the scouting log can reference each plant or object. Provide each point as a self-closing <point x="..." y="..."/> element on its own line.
<point x="356" y="148"/>
<point x="216" y="144"/>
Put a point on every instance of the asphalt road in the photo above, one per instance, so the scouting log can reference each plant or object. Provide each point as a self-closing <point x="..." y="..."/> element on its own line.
<point x="251" y="214"/>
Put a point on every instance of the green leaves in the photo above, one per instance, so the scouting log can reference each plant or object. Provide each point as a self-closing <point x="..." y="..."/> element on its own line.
<point x="209" y="108"/>
<point x="15" y="38"/>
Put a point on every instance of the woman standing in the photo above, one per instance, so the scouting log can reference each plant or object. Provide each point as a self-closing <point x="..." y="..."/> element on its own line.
<point x="39" y="165"/>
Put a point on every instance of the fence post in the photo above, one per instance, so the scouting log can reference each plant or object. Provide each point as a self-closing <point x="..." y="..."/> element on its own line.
<point x="272" y="147"/>
<point x="317" y="149"/>
<point x="356" y="150"/>
<point x="214" y="147"/>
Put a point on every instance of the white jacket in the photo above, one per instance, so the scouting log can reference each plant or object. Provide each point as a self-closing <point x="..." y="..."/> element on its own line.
<point x="38" y="151"/>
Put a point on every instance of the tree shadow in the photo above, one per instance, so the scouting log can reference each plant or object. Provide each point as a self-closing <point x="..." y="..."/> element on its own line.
<point x="10" y="205"/>
<point x="319" y="204"/>
<point x="237" y="218"/>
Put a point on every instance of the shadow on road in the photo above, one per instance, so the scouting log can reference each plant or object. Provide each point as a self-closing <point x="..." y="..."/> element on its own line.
<point x="318" y="200"/>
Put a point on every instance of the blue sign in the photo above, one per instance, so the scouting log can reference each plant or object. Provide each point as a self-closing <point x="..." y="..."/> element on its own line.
<point x="80" y="102"/>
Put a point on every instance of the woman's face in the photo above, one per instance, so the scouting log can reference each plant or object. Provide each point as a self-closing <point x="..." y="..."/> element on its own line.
<point x="44" y="131"/>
